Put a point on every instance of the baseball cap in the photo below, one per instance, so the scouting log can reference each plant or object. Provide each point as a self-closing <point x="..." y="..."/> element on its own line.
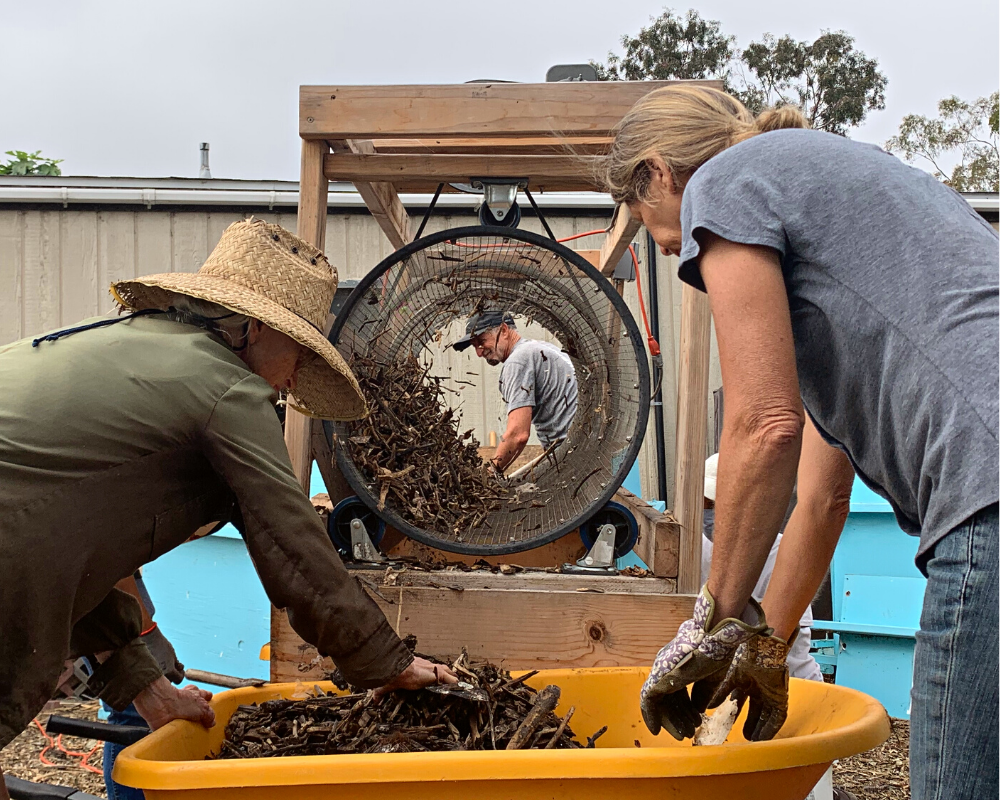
<point x="479" y="323"/>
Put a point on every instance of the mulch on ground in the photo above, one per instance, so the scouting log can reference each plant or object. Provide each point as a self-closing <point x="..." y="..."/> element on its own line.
<point x="882" y="773"/>
<point x="21" y="757"/>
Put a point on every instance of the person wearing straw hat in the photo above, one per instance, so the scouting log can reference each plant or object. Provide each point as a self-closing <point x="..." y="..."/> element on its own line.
<point x="121" y="437"/>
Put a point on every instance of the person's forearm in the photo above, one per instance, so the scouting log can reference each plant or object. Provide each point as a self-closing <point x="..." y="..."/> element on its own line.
<point x="803" y="558"/>
<point x="756" y="476"/>
<point x="511" y="446"/>
<point x="129" y="586"/>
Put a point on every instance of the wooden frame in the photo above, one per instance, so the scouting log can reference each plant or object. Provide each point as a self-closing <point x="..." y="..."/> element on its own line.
<point x="386" y="139"/>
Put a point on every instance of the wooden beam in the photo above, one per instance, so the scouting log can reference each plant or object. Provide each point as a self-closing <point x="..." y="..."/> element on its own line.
<point x="623" y="229"/>
<point x="692" y="428"/>
<point x="659" y="535"/>
<point x="381" y="198"/>
<point x="313" y="188"/>
<point x="576" y="170"/>
<point x="485" y="145"/>
<point x="508" y="110"/>
<point x="560" y="620"/>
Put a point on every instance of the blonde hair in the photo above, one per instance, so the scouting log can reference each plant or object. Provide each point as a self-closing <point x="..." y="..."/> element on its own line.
<point x="685" y="126"/>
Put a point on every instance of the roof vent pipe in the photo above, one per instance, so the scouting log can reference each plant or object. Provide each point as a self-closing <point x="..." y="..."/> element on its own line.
<point x="204" y="171"/>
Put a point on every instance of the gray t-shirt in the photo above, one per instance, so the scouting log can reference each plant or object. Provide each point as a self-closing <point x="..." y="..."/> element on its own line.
<point x="540" y="375"/>
<point x="892" y="283"/>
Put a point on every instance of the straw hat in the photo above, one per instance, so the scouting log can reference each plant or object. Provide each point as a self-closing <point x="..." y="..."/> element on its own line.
<point x="265" y="272"/>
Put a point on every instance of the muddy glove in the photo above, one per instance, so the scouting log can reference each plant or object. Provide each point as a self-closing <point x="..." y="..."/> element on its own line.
<point x="164" y="654"/>
<point x="697" y="655"/>
<point x="759" y="671"/>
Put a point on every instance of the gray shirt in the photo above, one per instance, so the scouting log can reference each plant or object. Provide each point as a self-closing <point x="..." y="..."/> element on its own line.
<point x="540" y="375"/>
<point x="892" y="283"/>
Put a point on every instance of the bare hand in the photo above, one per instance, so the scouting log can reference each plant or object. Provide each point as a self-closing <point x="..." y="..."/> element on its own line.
<point x="160" y="703"/>
<point x="419" y="674"/>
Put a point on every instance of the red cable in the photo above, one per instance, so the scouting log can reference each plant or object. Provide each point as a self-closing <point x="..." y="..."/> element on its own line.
<point x="654" y="346"/>
<point x="57" y="743"/>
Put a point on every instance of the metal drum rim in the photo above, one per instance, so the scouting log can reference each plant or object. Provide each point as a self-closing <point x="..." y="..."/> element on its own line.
<point x="634" y="337"/>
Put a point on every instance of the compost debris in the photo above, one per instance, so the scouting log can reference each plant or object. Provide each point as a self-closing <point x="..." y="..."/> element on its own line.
<point x="487" y="710"/>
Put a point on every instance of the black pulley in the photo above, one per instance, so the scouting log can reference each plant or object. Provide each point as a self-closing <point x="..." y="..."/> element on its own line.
<point x="511" y="217"/>
<point x="626" y="528"/>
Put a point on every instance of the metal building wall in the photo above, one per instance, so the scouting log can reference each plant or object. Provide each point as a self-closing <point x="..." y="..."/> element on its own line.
<point x="56" y="265"/>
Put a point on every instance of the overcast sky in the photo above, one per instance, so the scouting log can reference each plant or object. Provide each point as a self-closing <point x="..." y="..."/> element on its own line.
<point x="131" y="88"/>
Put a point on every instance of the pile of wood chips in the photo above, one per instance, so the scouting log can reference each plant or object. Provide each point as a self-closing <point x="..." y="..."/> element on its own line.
<point x="488" y="710"/>
<point x="882" y="773"/>
<point x="410" y="448"/>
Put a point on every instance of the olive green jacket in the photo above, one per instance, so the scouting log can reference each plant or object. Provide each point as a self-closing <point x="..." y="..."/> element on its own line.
<point x="116" y="444"/>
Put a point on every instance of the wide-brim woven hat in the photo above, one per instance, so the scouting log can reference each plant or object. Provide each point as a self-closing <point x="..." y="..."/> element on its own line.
<point x="263" y="271"/>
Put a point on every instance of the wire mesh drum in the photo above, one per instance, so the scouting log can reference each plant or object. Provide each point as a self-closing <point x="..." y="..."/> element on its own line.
<point x="426" y="291"/>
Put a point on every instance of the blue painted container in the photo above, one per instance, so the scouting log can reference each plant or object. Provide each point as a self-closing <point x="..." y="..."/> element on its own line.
<point x="877" y="595"/>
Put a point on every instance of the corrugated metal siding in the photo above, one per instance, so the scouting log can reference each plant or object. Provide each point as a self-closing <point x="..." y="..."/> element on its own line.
<point x="56" y="266"/>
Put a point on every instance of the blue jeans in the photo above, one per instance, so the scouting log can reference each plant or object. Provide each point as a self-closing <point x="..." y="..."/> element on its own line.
<point x="115" y="790"/>
<point x="953" y="718"/>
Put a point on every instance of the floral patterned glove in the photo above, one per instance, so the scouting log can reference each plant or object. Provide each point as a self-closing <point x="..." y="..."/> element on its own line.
<point x="697" y="655"/>
<point x="759" y="671"/>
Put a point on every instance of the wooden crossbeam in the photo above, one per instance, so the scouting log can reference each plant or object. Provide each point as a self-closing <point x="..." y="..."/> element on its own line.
<point x="623" y="229"/>
<point x="381" y="197"/>
<point x="467" y="110"/>
<point x="487" y="145"/>
<point x="578" y="171"/>
<point x="526" y="621"/>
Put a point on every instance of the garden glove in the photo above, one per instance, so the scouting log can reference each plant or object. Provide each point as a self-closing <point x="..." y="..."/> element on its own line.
<point x="159" y="645"/>
<point x="759" y="671"/>
<point x="697" y="655"/>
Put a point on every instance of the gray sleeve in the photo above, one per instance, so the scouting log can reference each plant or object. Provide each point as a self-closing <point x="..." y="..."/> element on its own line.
<point x="517" y="381"/>
<point x="738" y="202"/>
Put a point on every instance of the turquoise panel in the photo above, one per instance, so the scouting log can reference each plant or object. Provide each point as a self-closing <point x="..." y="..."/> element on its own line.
<point x="883" y="600"/>
<point x="211" y="605"/>
<point x="879" y="666"/>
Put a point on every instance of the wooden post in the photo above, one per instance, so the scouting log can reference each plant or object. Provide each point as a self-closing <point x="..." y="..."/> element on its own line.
<point x="313" y="186"/>
<point x="692" y="428"/>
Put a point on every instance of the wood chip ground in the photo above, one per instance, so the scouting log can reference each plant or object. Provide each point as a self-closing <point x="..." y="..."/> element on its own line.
<point x="882" y="773"/>
<point x="20" y="757"/>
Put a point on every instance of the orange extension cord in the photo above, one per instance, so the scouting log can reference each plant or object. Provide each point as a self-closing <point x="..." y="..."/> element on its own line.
<point x="58" y="745"/>
<point x="654" y="346"/>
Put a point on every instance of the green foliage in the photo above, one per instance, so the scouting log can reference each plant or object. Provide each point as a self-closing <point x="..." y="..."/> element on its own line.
<point x="22" y="163"/>
<point x="833" y="83"/>
<point x="970" y="131"/>
<point x="671" y="47"/>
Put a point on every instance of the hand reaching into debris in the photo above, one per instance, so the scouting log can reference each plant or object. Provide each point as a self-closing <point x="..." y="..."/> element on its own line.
<point x="419" y="674"/>
<point x="699" y="656"/>
<point x="759" y="671"/>
<point x="160" y="703"/>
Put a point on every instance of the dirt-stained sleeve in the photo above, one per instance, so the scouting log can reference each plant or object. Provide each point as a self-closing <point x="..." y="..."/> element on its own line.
<point x="299" y="567"/>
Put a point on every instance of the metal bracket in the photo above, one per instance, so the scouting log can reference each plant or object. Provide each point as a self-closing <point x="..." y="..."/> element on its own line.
<point x="361" y="544"/>
<point x="499" y="194"/>
<point x="601" y="557"/>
